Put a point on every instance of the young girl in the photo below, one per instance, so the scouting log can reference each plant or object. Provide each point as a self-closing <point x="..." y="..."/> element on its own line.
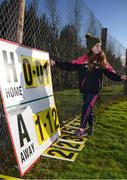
<point x="91" y="66"/>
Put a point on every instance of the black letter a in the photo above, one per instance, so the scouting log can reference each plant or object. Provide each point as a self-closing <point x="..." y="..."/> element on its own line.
<point x="21" y="126"/>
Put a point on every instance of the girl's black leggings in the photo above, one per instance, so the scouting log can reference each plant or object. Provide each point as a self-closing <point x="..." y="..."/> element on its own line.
<point x="89" y="101"/>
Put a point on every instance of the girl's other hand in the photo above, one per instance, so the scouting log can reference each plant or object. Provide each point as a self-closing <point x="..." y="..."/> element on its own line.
<point x="124" y="77"/>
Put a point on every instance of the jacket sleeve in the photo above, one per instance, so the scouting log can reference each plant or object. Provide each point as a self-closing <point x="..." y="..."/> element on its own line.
<point x="80" y="60"/>
<point x="68" y="66"/>
<point x="111" y="74"/>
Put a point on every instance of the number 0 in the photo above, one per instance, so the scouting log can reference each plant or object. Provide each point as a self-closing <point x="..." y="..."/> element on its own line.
<point x="27" y="72"/>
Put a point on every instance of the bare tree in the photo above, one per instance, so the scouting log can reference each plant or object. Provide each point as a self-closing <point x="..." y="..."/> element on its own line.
<point x="75" y="21"/>
<point x="51" y="6"/>
<point x="52" y="9"/>
<point x="77" y="16"/>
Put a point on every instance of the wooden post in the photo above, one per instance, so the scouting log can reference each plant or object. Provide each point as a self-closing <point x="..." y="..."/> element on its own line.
<point x="125" y="83"/>
<point x="104" y="38"/>
<point x="19" y="34"/>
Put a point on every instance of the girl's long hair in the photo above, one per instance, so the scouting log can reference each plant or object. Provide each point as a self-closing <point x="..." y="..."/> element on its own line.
<point x="100" y="58"/>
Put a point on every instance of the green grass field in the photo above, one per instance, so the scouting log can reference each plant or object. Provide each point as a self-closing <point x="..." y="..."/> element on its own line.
<point x="104" y="155"/>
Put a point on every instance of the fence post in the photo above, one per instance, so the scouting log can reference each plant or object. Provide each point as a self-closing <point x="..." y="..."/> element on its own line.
<point x="125" y="83"/>
<point x="19" y="33"/>
<point x="104" y="38"/>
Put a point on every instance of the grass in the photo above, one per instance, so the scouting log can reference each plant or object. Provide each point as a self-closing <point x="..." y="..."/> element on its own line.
<point x="69" y="102"/>
<point x="104" y="155"/>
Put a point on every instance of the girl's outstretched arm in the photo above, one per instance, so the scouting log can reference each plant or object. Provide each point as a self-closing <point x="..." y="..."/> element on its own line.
<point x="111" y="74"/>
<point x="68" y="66"/>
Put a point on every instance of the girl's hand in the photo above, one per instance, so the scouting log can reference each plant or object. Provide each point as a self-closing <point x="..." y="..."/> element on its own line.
<point x="124" y="77"/>
<point x="52" y="62"/>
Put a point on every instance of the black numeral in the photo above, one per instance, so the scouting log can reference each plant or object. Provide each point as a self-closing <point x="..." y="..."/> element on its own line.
<point x="39" y="70"/>
<point x="39" y="126"/>
<point x="76" y="146"/>
<point x="27" y="72"/>
<point x="50" y="123"/>
<point x="53" y="151"/>
<point x="67" y="137"/>
<point x="54" y="115"/>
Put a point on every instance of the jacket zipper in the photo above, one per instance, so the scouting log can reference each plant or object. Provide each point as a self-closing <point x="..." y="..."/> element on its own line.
<point x="99" y="84"/>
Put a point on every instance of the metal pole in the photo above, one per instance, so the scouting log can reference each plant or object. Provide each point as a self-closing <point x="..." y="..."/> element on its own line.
<point x="104" y="38"/>
<point x="125" y="83"/>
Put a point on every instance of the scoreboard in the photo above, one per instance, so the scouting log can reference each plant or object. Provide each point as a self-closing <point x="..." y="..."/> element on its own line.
<point x="28" y="100"/>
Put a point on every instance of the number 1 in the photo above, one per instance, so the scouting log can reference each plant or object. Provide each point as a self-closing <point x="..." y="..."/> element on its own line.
<point x="39" y="125"/>
<point x="48" y="117"/>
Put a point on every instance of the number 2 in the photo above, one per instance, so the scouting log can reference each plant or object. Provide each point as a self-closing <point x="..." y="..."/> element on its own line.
<point x="54" y="115"/>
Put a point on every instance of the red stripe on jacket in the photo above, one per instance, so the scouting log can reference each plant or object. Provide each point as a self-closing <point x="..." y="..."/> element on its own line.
<point x="80" y="60"/>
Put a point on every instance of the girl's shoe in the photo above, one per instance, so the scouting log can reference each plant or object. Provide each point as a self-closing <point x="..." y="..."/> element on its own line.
<point x="79" y="133"/>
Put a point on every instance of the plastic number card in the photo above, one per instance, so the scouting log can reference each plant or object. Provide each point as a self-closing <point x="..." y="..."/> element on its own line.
<point x="69" y="130"/>
<point x="68" y="145"/>
<point x="58" y="153"/>
<point x="73" y="125"/>
<point x="69" y="138"/>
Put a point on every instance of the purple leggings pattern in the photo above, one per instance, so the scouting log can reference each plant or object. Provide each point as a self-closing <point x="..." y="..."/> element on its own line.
<point x="87" y="114"/>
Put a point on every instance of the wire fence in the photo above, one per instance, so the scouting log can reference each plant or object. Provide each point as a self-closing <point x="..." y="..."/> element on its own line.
<point x="58" y="27"/>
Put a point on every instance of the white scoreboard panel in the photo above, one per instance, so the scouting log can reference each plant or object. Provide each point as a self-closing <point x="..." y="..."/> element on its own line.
<point x="27" y="94"/>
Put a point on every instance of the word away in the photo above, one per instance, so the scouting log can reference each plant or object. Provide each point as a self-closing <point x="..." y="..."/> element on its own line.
<point x="26" y="153"/>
